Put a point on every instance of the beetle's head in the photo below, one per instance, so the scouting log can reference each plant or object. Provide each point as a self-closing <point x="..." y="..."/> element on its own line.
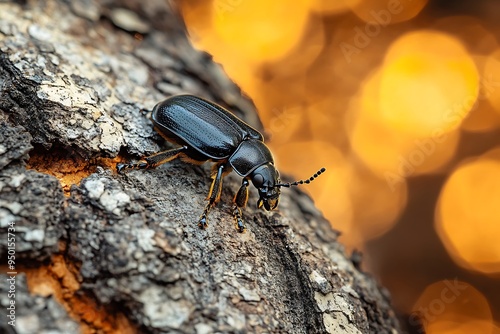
<point x="265" y="178"/>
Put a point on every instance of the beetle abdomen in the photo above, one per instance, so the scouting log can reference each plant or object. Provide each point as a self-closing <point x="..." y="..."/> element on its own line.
<point x="249" y="155"/>
<point x="204" y="126"/>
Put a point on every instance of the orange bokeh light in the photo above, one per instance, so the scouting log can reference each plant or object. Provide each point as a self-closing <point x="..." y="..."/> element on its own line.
<point x="467" y="217"/>
<point x="428" y="89"/>
<point x="482" y="117"/>
<point x="274" y="30"/>
<point x="387" y="11"/>
<point x="391" y="151"/>
<point x="452" y="306"/>
<point x="333" y="7"/>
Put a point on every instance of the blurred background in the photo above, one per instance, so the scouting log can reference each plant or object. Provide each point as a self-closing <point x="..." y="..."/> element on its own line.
<point x="400" y="100"/>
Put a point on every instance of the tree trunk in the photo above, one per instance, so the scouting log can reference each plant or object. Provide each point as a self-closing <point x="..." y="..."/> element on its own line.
<point x="98" y="252"/>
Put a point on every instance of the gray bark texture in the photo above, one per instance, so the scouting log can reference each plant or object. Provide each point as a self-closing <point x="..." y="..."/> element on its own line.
<point x="99" y="252"/>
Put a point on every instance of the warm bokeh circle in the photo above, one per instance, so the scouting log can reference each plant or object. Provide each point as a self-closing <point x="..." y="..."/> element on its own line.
<point x="467" y="217"/>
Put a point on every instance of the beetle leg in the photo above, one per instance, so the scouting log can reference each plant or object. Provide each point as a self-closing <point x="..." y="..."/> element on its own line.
<point x="153" y="160"/>
<point x="240" y="201"/>
<point x="213" y="195"/>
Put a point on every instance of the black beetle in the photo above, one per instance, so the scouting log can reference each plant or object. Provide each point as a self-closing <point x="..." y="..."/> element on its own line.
<point x="208" y="132"/>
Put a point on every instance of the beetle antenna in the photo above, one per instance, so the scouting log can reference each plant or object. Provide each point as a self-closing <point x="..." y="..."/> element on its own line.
<point x="309" y="180"/>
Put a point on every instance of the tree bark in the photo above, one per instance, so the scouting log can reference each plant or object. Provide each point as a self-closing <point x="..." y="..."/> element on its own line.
<point x="108" y="253"/>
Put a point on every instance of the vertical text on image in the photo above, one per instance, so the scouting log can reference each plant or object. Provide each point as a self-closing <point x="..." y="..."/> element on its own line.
<point x="11" y="278"/>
